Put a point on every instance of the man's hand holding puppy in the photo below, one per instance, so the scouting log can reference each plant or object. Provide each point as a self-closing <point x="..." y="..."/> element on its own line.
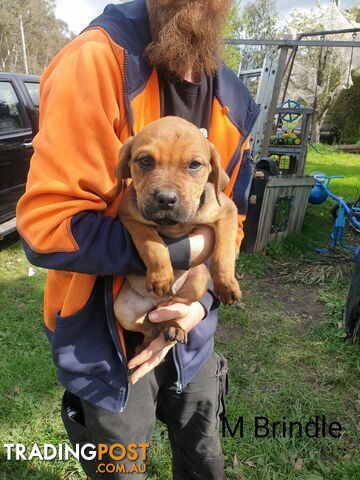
<point x="187" y="316"/>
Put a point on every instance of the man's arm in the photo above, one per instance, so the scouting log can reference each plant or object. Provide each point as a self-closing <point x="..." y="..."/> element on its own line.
<point x="65" y="216"/>
<point x="105" y="248"/>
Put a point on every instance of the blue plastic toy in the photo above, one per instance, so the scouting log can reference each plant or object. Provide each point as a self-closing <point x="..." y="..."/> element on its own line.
<point x="319" y="194"/>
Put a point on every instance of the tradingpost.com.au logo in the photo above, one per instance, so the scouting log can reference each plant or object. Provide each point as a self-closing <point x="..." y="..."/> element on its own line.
<point x="116" y="458"/>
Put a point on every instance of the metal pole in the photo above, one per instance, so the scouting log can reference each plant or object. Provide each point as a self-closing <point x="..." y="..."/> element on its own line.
<point x="23" y="44"/>
<point x="294" y="43"/>
<point x="329" y="32"/>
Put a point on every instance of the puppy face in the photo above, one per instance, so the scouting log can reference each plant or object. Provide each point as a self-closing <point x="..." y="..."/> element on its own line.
<point x="170" y="162"/>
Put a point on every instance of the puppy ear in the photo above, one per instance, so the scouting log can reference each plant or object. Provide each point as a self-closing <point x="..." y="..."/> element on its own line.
<point x="218" y="175"/>
<point x="122" y="171"/>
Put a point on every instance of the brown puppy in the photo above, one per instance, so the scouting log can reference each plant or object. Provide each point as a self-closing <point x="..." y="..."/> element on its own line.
<point x="177" y="185"/>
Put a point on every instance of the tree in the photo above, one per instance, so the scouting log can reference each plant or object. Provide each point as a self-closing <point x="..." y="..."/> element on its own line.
<point x="345" y="113"/>
<point x="353" y="13"/>
<point x="233" y="29"/>
<point x="45" y="34"/>
<point x="320" y="74"/>
<point x="259" y="20"/>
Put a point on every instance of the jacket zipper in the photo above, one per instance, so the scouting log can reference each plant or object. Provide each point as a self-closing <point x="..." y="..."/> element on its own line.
<point x="128" y="108"/>
<point x="109" y="311"/>
<point x="115" y="336"/>
<point x="178" y="382"/>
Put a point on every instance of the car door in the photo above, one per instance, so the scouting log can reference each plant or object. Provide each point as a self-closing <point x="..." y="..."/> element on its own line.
<point x="16" y="135"/>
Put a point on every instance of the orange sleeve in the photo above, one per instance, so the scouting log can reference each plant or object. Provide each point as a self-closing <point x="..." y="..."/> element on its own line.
<point x="76" y="150"/>
<point x="241" y="180"/>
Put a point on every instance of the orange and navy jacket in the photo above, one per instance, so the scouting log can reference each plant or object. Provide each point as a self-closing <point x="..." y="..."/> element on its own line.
<point x="98" y="91"/>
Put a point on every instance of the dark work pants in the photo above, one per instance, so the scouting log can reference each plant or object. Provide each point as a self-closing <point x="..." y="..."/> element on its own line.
<point x="192" y="418"/>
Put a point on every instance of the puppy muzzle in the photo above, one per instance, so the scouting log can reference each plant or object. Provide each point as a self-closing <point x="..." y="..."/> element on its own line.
<point x="166" y="207"/>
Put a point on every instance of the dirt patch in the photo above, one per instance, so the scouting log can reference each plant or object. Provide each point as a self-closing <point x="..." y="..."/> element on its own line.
<point x="291" y="290"/>
<point x="296" y="299"/>
<point x="226" y="333"/>
<point x="298" y="302"/>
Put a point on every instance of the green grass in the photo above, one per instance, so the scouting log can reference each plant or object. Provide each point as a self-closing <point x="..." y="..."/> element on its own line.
<point x="285" y="345"/>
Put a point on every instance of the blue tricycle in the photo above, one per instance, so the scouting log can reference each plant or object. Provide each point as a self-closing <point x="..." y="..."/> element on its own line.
<point x="343" y="213"/>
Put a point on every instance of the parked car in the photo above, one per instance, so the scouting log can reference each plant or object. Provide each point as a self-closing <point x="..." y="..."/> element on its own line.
<point x="19" y="119"/>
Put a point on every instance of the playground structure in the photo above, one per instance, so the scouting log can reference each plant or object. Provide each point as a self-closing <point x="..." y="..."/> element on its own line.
<point x="280" y="191"/>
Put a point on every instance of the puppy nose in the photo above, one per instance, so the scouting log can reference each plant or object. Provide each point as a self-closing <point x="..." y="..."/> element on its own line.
<point x="166" y="200"/>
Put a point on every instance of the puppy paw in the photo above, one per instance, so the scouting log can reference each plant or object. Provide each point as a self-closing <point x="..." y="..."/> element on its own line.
<point x="174" y="333"/>
<point x="159" y="281"/>
<point x="228" y="292"/>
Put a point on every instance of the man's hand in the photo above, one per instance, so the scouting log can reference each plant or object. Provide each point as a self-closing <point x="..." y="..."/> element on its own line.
<point x="202" y="241"/>
<point x="187" y="316"/>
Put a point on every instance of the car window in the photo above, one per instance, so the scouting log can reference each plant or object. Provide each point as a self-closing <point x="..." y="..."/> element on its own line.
<point x="33" y="88"/>
<point x="10" y="118"/>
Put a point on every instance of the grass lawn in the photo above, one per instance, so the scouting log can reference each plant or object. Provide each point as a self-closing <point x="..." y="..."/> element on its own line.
<point x="285" y="345"/>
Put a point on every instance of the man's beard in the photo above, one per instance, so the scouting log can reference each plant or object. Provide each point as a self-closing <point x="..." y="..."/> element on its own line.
<point x="187" y="36"/>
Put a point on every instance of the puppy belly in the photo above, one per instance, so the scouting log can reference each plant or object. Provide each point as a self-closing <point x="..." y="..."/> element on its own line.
<point x="133" y="303"/>
<point x="138" y="284"/>
<point x="131" y="308"/>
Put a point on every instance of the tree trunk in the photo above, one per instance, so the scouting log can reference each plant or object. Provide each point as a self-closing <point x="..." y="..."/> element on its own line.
<point x="315" y="130"/>
<point x="316" y="134"/>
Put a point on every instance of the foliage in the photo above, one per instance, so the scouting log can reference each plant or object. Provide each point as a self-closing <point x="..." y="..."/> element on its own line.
<point x="45" y="34"/>
<point x="233" y="28"/>
<point x="259" y="20"/>
<point x="354" y="13"/>
<point x="345" y="113"/>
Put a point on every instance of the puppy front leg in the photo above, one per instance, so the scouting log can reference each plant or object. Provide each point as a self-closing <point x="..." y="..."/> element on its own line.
<point x="155" y="255"/>
<point x="222" y="267"/>
<point x="193" y="289"/>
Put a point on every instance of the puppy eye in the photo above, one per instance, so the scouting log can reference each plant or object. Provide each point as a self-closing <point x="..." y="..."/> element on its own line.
<point x="195" y="165"/>
<point x="145" y="161"/>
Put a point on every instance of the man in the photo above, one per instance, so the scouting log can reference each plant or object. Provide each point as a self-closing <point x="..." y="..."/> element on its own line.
<point x="135" y="63"/>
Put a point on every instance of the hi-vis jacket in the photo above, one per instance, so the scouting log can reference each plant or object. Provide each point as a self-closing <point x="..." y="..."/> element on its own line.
<point x="97" y="92"/>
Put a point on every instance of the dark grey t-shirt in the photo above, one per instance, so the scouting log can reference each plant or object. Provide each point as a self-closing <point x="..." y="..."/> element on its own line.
<point x="190" y="101"/>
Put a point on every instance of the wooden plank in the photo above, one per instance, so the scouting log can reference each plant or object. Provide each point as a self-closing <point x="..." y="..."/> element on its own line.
<point x="291" y="192"/>
<point x="302" y="205"/>
<point x="349" y="148"/>
<point x="297" y="193"/>
<point x="290" y="181"/>
<point x="260" y="234"/>
<point x="266" y="215"/>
